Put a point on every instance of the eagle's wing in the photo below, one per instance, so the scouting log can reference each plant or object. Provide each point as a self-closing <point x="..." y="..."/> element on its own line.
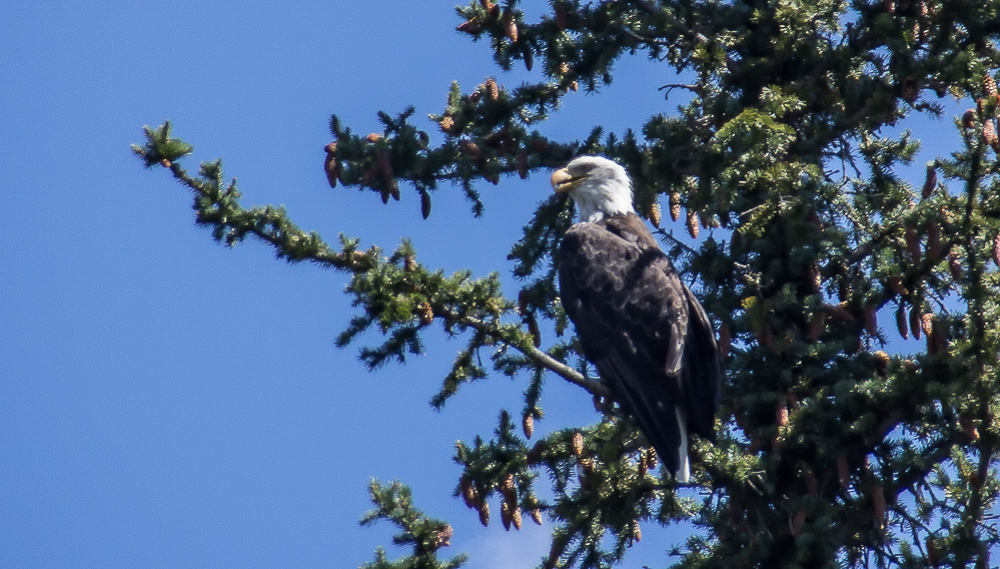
<point x="642" y="327"/>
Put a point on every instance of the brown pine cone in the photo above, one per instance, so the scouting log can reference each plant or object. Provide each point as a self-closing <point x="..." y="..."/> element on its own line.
<point x="692" y="224"/>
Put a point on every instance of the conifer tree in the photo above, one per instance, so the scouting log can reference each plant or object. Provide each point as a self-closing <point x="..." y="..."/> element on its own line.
<point x="811" y="249"/>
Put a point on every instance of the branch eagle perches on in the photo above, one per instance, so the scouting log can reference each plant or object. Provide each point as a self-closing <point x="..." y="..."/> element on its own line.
<point x="395" y="293"/>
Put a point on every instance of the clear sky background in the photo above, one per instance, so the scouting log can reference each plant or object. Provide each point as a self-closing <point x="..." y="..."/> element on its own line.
<point x="168" y="402"/>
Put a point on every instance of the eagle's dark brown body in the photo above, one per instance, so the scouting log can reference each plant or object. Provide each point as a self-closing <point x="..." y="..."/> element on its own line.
<point x="644" y="330"/>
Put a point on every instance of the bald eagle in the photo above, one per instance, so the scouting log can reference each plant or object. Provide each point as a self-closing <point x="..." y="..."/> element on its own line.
<point x="636" y="320"/>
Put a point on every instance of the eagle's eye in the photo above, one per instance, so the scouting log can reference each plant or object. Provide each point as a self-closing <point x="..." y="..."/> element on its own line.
<point x="583" y="169"/>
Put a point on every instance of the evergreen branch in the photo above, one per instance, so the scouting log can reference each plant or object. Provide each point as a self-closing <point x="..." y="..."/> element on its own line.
<point x="541" y="358"/>
<point x="426" y="535"/>
<point x="217" y="205"/>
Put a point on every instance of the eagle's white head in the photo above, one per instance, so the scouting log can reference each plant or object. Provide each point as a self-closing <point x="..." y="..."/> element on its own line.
<point x="599" y="187"/>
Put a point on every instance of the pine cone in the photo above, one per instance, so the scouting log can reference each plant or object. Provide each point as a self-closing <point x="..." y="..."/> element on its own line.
<point x="935" y="339"/>
<point x="927" y="322"/>
<point x="881" y="362"/>
<point x="996" y="250"/>
<point x="505" y="514"/>
<point x="332" y="168"/>
<point x="470" y="27"/>
<point x="446" y="124"/>
<point x="649" y="455"/>
<point x="484" y="514"/>
<point x="522" y="164"/>
<point x="910" y="90"/>
<point x="536" y="516"/>
<point x="915" y="322"/>
<point x="969" y="118"/>
<point x="443" y="537"/>
<point x="989" y="86"/>
<point x="930" y="182"/>
<point x="692" y="224"/>
<point x="507" y="483"/>
<point x="515" y="518"/>
<point x="469" y="494"/>
<point x="839" y="311"/>
<point x="385" y="165"/>
<point x="954" y="264"/>
<point x="934" y="242"/>
<point x="576" y="446"/>
<point x="990" y="134"/>
<point x="878" y="504"/>
<point x="654" y="214"/>
<point x="933" y="556"/>
<point x="426" y="313"/>
<point x="636" y="531"/>
<point x="781" y="415"/>
<point x="968" y="426"/>
<point x="425" y="204"/>
<point x="507" y="488"/>
<point x="509" y="25"/>
<point x="871" y="321"/>
<point x="675" y="206"/>
<point x="815" y="278"/>
<point x="492" y="90"/>
<point x="471" y="149"/>
<point x="560" y="16"/>
<point x="373" y="137"/>
<point x="528" y="425"/>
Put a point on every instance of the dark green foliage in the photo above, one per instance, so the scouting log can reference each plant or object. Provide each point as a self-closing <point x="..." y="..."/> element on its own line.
<point x="426" y="535"/>
<point x="831" y="452"/>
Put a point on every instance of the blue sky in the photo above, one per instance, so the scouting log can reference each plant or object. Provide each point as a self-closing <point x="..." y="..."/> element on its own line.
<point x="167" y="402"/>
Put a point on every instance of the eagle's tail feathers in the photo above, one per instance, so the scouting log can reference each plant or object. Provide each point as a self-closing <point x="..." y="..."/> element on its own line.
<point x="683" y="474"/>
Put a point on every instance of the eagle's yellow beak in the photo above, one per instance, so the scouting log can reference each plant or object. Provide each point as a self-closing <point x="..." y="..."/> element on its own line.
<point x="562" y="181"/>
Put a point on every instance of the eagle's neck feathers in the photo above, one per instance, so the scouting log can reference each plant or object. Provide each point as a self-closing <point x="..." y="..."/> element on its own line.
<point x="600" y="200"/>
